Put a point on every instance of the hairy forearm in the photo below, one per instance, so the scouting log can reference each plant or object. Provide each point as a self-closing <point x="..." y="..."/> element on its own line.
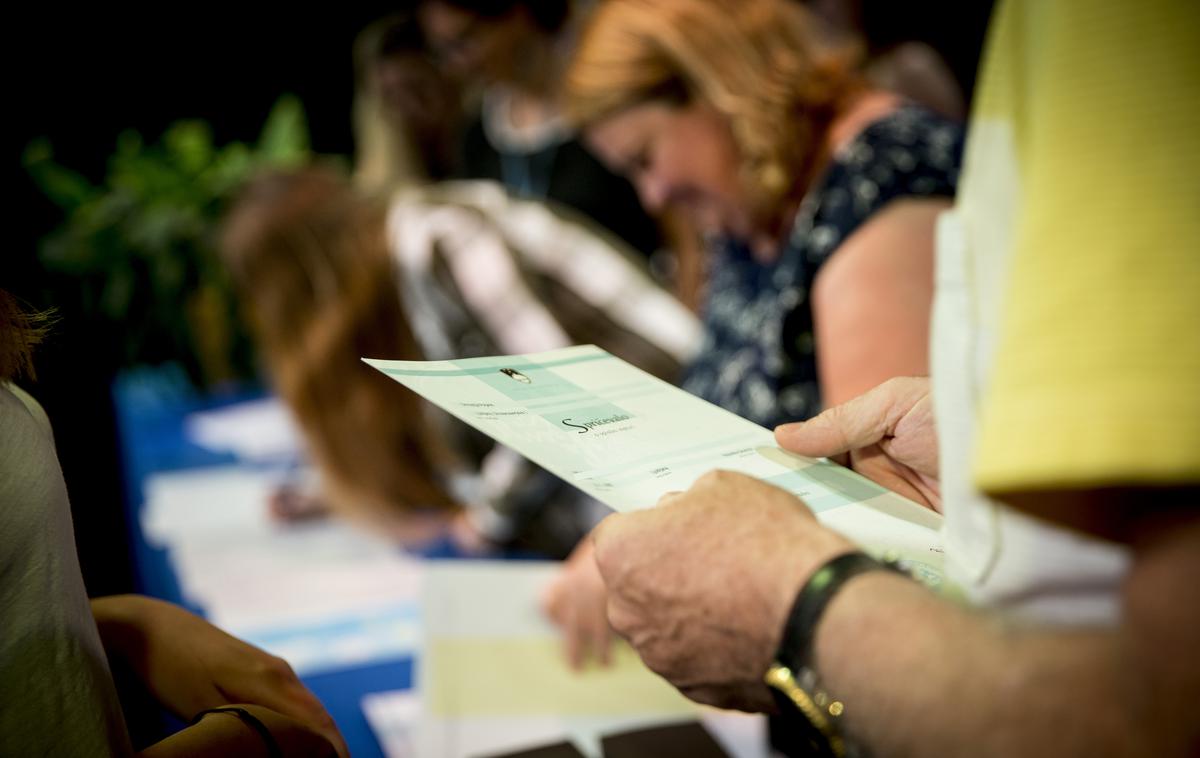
<point x="920" y="676"/>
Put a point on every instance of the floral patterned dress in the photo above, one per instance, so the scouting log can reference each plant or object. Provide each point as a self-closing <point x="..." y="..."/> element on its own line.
<point x="759" y="358"/>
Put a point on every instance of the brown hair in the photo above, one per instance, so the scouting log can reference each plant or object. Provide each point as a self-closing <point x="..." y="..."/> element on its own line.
<point x="757" y="62"/>
<point x="20" y="331"/>
<point x="310" y="260"/>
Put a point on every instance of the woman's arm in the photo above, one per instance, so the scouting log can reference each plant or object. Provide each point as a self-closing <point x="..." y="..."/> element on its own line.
<point x="189" y="665"/>
<point x="871" y="301"/>
<point x="224" y="733"/>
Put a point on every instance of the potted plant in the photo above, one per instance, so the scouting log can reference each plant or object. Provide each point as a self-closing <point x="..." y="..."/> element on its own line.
<point x="140" y="246"/>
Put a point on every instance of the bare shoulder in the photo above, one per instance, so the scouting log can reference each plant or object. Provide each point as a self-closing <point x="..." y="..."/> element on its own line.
<point x="871" y="301"/>
<point x="897" y="240"/>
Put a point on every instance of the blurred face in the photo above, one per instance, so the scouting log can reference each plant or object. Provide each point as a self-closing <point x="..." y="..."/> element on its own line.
<point x="473" y="47"/>
<point x="414" y="92"/>
<point x="681" y="156"/>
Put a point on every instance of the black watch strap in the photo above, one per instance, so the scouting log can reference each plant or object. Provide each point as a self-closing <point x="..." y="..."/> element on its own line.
<point x="799" y="632"/>
<point x="793" y="678"/>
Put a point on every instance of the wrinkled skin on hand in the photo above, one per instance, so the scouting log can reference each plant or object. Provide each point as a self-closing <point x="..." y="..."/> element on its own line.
<point x="701" y="585"/>
<point x="887" y="434"/>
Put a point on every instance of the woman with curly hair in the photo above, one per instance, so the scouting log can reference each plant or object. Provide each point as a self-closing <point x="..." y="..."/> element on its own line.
<point x="819" y="194"/>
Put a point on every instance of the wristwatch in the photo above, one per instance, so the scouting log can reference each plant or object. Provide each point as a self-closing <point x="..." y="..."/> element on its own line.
<point x="793" y="679"/>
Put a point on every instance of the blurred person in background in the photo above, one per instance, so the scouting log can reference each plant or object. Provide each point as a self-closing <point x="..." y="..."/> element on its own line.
<point x="819" y="194"/>
<point x="409" y="131"/>
<point x="909" y="67"/>
<point x="328" y="275"/>
<point x="514" y="53"/>
<point x="407" y="112"/>
<point x="57" y="695"/>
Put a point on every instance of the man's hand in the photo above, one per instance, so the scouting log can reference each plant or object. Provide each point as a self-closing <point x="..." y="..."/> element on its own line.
<point x="576" y="602"/>
<point x="702" y="584"/>
<point x="189" y="665"/>
<point x="887" y="435"/>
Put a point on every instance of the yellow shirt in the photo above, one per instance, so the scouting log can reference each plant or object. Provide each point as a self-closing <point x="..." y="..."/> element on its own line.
<point x="1064" y="350"/>
<point x="1096" y="372"/>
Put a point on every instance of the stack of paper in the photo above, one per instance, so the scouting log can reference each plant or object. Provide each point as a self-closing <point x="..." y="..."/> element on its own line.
<point x="492" y="677"/>
<point x="321" y="594"/>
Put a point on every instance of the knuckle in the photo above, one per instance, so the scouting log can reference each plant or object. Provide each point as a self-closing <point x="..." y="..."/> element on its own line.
<point x="604" y="561"/>
<point x="602" y="533"/>
<point x="714" y="478"/>
<point x="622" y="622"/>
<point x="278" y="669"/>
<point x="324" y="720"/>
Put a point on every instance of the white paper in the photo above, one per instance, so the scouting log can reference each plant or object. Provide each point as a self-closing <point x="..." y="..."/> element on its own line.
<point x="492" y="603"/>
<point x="627" y="438"/>
<point x="321" y="594"/>
<point x="256" y="430"/>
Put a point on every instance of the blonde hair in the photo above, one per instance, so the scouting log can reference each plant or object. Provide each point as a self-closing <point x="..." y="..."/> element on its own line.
<point x="760" y="63"/>
<point x="310" y="261"/>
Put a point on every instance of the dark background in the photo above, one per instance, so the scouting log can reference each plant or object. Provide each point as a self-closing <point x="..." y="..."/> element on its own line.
<point x="82" y="75"/>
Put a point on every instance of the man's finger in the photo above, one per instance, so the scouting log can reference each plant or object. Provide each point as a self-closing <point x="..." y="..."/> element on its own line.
<point x="550" y="600"/>
<point x="573" y="635"/>
<point x="855" y="424"/>
<point x="604" y="642"/>
<point x="596" y="633"/>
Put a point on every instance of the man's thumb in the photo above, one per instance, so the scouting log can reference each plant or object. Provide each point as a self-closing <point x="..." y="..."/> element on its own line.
<point x="856" y="423"/>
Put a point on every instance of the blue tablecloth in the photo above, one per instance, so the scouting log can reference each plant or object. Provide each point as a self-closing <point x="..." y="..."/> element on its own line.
<point x="151" y="406"/>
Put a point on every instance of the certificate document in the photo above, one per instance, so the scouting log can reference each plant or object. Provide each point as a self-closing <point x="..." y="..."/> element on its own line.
<point x="627" y="438"/>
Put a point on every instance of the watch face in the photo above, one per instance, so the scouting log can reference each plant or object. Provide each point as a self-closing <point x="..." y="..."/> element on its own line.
<point x="807" y="716"/>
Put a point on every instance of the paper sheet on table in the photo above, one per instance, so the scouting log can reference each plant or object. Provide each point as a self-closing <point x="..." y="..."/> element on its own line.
<point x="626" y="438"/>
<point x="321" y="594"/>
<point x="256" y="430"/>
<point x="491" y="677"/>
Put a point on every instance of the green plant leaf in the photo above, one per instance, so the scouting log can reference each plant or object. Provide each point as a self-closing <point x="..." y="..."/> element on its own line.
<point x="189" y="145"/>
<point x="284" y="138"/>
<point x="230" y="168"/>
<point x="63" y="187"/>
<point x="141" y="245"/>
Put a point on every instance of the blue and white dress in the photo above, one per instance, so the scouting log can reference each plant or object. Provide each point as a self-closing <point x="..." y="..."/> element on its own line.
<point x="758" y="358"/>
